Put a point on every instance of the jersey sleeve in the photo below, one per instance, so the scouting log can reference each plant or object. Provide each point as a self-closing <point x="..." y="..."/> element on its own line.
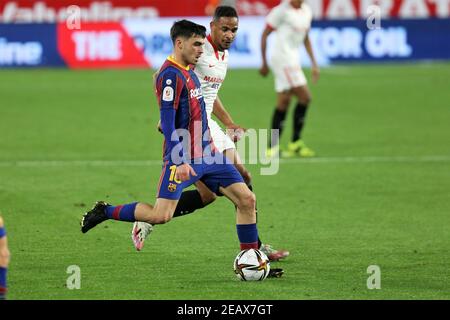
<point x="275" y="18"/>
<point x="169" y="87"/>
<point x="168" y="90"/>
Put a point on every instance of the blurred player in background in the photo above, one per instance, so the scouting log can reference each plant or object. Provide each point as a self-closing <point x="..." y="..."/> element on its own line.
<point x="186" y="161"/>
<point x="291" y="20"/>
<point x="211" y="70"/>
<point x="4" y="259"/>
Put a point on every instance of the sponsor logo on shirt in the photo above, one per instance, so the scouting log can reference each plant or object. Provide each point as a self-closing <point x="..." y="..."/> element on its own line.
<point x="167" y="94"/>
<point x="213" y="79"/>
<point x="196" y="93"/>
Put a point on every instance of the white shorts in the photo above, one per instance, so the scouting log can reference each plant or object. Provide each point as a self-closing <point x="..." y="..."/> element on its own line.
<point x="221" y="140"/>
<point x="288" y="77"/>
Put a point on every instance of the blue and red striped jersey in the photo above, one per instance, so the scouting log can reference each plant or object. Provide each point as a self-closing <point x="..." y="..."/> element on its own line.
<point x="183" y="114"/>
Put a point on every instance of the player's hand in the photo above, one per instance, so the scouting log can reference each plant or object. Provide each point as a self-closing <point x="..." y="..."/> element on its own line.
<point x="315" y="73"/>
<point x="184" y="172"/>
<point x="264" y="70"/>
<point x="235" y="132"/>
<point x="159" y="126"/>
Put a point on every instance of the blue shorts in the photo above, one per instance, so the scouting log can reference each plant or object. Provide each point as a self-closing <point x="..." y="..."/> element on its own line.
<point x="212" y="175"/>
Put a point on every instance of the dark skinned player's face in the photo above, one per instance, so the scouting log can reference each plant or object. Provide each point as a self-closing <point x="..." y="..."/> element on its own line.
<point x="296" y="3"/>
<point x="223" y="32"/>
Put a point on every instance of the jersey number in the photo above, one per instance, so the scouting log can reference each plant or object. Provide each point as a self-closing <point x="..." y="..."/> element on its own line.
<point x="173" y="169"/>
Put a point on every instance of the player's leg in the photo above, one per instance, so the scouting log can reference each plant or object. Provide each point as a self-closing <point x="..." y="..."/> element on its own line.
<point x="245" y="202"/>
<point x="189" y="201"/>
<point x="272" y="253"/>
<point x="222" y="177"/>
<point x="146" y="216"/>
<point x="225" y="179"/>
<point x="169" y="190"/>
<point x="278" y="118"/>
<point x="301" y="91"/>
<point x="283" y="85"/>
<point x="192" y="200"/>
<point x="160" y="213"/>
<point x="4" y="260"/>
<point x="246" y="226"/>
<point x="225" y="145"/>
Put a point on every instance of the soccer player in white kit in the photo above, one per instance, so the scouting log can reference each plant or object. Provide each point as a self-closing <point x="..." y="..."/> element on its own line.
<point x="291" y="21"/>
<point x="211" y="70"/>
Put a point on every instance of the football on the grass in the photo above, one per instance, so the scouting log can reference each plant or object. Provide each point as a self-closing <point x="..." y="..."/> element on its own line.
<point x="251" y="265"/>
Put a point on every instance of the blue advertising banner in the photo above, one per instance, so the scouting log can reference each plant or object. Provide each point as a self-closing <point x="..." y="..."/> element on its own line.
<point x="332" y="40"/>
<point x="40" y="45"/>
<point x="395" y="40"/>
<point x="29" y="45"/>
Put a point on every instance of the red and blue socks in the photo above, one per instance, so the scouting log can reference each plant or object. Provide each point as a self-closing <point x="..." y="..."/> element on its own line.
<point x="123" y="212"/>
<point x="248" y="236"/>
<point x="2" y="232"/>
<point x="3" y="287"/>
<point x="3" y="271"/>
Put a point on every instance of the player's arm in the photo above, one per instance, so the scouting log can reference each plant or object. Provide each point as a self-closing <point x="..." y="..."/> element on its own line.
<point x="154" y="77"/>
<point x="315" y="67"/>
<point x="168" y="102"/>
<point x="222" y="114"/>
<point x="225" y="118"/>
<point x="264" y="70"/>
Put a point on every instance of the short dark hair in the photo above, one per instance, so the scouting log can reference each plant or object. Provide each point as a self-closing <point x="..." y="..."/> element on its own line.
<point x="186" y="29"/>
<point x="225" y="11"/>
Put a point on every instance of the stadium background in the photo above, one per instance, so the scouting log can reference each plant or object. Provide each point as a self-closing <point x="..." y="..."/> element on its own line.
<point x="77" y="117"/>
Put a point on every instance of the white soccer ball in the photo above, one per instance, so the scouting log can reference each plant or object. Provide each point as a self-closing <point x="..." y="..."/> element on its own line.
<point x="251" y="265"/>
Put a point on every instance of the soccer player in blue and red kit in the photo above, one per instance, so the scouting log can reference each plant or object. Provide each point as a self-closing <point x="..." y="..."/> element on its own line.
<point x="189" y="154"/>
<point x="4" y="260"/>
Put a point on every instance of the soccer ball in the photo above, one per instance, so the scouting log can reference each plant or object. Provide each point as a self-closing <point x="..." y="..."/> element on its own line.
<point x="251" y="265"/>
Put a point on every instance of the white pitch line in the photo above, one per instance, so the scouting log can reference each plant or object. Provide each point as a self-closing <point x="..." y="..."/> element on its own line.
<point x="369" y="159"/>
<point x="81" y="163"/>
<point x="148" y="163"/>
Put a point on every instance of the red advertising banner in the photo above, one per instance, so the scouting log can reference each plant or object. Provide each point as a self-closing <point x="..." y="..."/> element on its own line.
<point x="51" y="11"/>
<point x="99" y="45"/>
<point x="348" y="9"/>
<point x="26" y="11"/>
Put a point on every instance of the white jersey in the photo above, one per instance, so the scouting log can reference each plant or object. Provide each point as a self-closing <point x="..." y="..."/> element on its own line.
<point x="291" y="26"/>
<point x="211" y="69"/>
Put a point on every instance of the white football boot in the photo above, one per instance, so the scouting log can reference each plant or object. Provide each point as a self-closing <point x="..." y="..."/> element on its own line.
<point x="140" y="232"/>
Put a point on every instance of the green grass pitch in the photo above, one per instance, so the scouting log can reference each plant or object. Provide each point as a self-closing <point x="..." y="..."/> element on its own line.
<point x="377" y="194"/>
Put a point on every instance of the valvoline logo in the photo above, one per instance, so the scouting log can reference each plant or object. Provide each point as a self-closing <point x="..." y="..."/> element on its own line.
<point x="15" y="53"/>
<point x="97" y="45"/>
